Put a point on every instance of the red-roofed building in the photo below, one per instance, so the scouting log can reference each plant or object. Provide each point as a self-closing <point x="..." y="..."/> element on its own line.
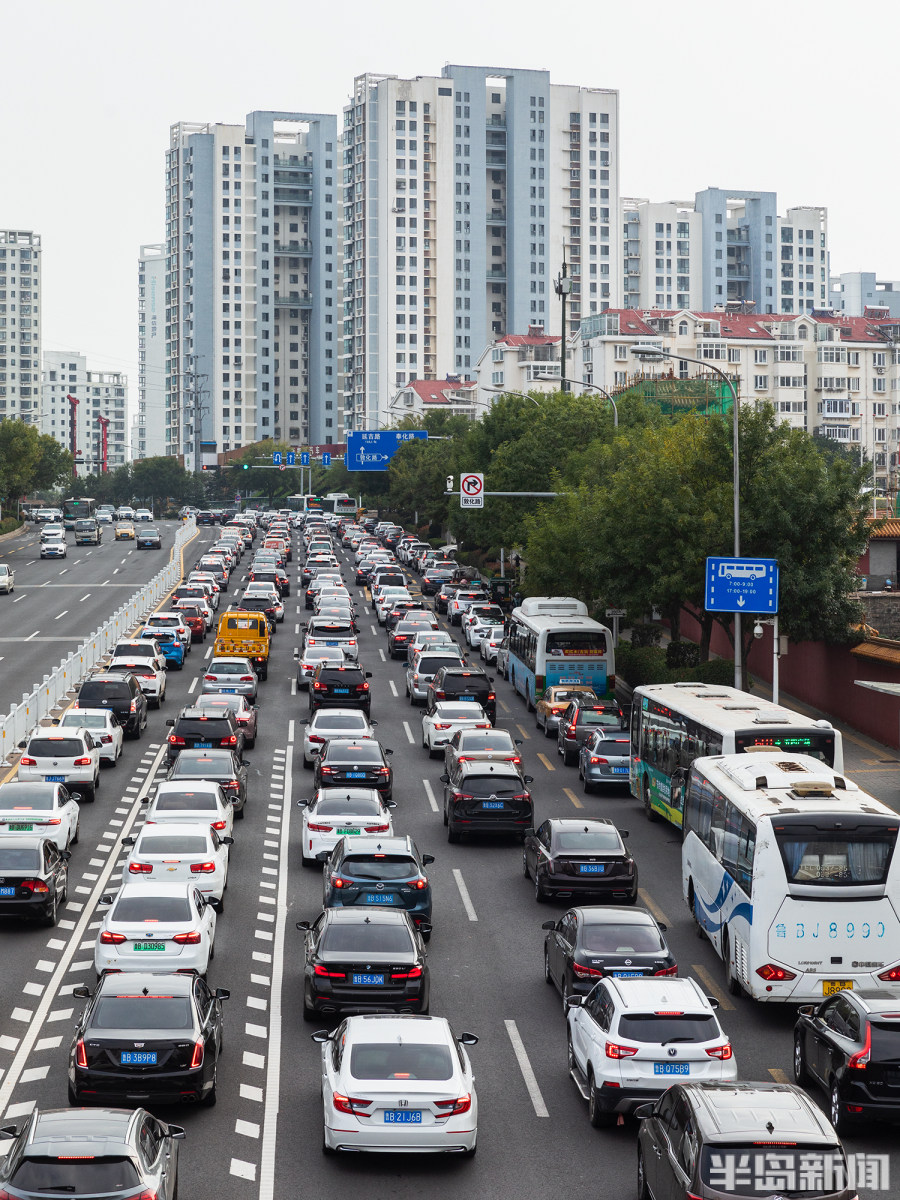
<point x="431" y="395"/>
<point x="520" y="362"/>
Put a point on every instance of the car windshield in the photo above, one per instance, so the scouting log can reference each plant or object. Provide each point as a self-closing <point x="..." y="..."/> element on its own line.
<point x="578" y="841"/>
<point x="92" y="692"/>
<point x="217" y="667"/>
<point x="489" y="740"/>
<point x="55" y="747"/>
<point x="669" y="1027"/>
<point x="208" y="767"/>
<point x="153" y="908"/>
<point x="14" y="859"/>
<point x="186" y="802"/>
<point x="834" y="857"/>
<point x="328" y="721"/>
<point x="358" y="807"/>
<point x="359" y="752"/>
<point x="35" y="796"/>
<point x="379" y="866"/>
<point x="78" y="1176"/>
<point x="458" y="712"/>
<point x="621" y="939"/>
<point x="171" y="843"/>
<point x="142" y="1012"/>
<point x="395" y="1061"/>
<point x="363" y="939"/>
<point x="577" y="642"/>
<point x="727" y="1169"/>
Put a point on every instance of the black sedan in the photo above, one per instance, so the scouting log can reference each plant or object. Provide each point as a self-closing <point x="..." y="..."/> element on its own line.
<point x="276" y="575"/>
<point x="245" y="713"/>
<point x="34" y="877"/>
<point x="146" y="1037"/>
<point x="149" y="539"/>
<point x="587" y="943"/>
<point x="358" y="762"/>
<point x="219" y="766"/>
<point x="567" y="858"/>
<point x="364" y="961"/>
<point x="126" y="1153"/>
<point x="849" y="1047"/>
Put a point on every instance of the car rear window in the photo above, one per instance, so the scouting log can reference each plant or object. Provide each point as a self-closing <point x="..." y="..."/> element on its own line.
<point x="330" y="721"/>
<point x="360" y="806"/>
<point x="78" y="1176"/>
<point x="621" y="939"/>
<point x="152" y="908"/>
<point x="37" y="796"/>
<point x="487" y="785"/>
<point x="576" y="841"/>
<point x="186" y="802"/>
<point x="331" y="630"/>
<point x="393" y="1061"/>
<point x="379" y="866"/>
<point x="488" y="740"/>
<point x="366" y="939"/>
<point x="86" y="720"/>
<point x="210" y="766"/>
<point x="55" y="747"/>
<point x="746" y="1168"/>
<point x="459" y="712"/>
<point x="203" y="727"/>
<point x="606" y="719"/>
<point x="612" y="747"/>
<point x="228" y="668"/>
<point x="429" y="664"/>
<point x="91" y="693"/>
<point x="15" y="858"/>
<point x="465" y="683"/>
<point x="142" y="1012"/>
<point x="172" y="843"/>
<point x="681" y="1027"/>
<point x="359" y="752"/>
<point x="323" y="654"/>
<point x="340" y="677"/>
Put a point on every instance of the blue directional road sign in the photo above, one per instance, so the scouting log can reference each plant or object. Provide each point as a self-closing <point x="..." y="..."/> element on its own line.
<point x="742" y="585"/>
<point x="304" y="458"/>
<point x="373" y="451"/>
<point x="290" y="458"/>
<point x="277" y="458"/>
<point x="326" y="460"/>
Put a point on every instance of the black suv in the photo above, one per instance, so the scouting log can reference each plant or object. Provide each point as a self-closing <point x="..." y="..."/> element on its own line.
<point x="460" y="683"/>
<point x="198" y="729"/>
<point x="341" y="687"/>
<point x="486" y="797"/>
<point x="122" y="695"/>
<point x="261" y="604"/>
<point x="582" y="718"/>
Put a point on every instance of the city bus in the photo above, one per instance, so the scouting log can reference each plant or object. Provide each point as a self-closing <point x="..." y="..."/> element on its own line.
<point x="674" y="723"/>
<point x="76" y="507"/>
<point x="790" y="870"/>
<point x="553" y="640"/>
<point x="334" y="502"/>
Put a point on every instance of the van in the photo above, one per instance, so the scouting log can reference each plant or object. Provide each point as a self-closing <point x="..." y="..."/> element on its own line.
<point x="88" y="532"/>
<point x="244" y="634"/>
<point x="715" y="1141"/>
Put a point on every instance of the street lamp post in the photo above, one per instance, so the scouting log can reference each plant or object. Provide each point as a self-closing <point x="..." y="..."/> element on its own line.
<point x="650" y="353"/>
<point x="506" y="392"/>
<point x="595" y="387"/>
<point x="563" y="287"/>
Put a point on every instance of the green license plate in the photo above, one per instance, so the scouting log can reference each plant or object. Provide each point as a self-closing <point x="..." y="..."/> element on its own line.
<point x="348" y="831"/>
<point x="19" y="828"/>
<point x="149" y="945"/>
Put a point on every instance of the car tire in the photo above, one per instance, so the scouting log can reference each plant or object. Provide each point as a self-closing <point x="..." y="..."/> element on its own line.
<point x="540" y="895"/>
<point x="309" y="1013"/>
<point x="326" y="1149"/>
<point x="72" y="1096"/>
<point x="470" y="1153"/>
<point x="525" y="870"/>
<point x="732" y="983"/>
<point x="239" y="812"/>
<point x="801" y="1075"/>
<point x="564" y="994"/>
<point x="446" y="820"/>
<point x="74" y="839"/>
<point x="588" y="787"/>
<point x="548" y="978"/>
<point x="596" y="1115"/>
<point x="645" y="799"/>
<point x="643" y="1190"/>
<point x="49" y="920"/>
<point x="89" y="795"/>
<point x="307" y="763"/>
<point x="568" y="757"/>
<point x="209" y="1100"/>
<point x="836" y="1112"/>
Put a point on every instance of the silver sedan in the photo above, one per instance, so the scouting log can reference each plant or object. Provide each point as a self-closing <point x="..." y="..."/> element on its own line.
<point x="234" y="676"/>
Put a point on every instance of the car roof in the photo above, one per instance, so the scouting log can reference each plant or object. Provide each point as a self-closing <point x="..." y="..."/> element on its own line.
<point x="874" y="1003"/>
<point x="156" y="889"/>
<point x="100" y="1132"/>
<point x="178" y="785"/>
<point x="481" y="734"/>
<point x="17" y="839"/>
<point x="561" y="824"/>
<point x="373" y="843"/>
<point x="348" y="793"/>
<point x="134" y="983"/>
<point x="362" y="916"/>
<point x="412" y="1026"/>
<point x="658" y="995"/>
<point x="177" y="827"/>
<point x="490" y="766"/>
<point x="600" y="914"/>
<point x="757" y="1110"/>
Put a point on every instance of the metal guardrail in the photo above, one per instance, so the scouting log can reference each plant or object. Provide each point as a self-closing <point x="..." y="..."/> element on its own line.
<point x="37" y="705"/>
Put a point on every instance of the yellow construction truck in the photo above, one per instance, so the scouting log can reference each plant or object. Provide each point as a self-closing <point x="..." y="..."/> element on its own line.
<point x="242" y="634"/>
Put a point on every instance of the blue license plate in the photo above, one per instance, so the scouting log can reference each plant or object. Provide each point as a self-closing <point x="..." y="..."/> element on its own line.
<point x="341" y="691"/>
<point x="55" y="778"/>
<point x="331" y="643"/>
<point x="628" y="974"/>
<point x="229" y="691"/>
<point x="7" y="891"/>
<point x="368" y="980"/>
<point x="671" y="1068"/>
<point x="591" y="868"/>
<point x="620" y="770"/>
<point x="400" y="1116"/>
<point x="137" y="1058"/>
<point x="355" y="774"/>
<point x="380" y="898"/>
<point x="203" y="745"/>
<point x="472" y="698"/>
<point x="493" y="804"/>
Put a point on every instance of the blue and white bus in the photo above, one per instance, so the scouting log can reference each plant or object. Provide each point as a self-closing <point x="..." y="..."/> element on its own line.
<point x="553" y="640"/>
<point x="791" y="871"/>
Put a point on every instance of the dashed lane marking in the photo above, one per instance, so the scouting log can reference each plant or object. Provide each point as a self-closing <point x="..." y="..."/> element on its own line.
<point x="546" y="761"/>
<point x="464" y="895"/>
<point x="409" y="733"/>
<point x="710" y="984"/>
<point x="531" y="1083"/>
<point x="778" y="1075"/>
<point x="568" y="792"/>
<point x="654" y="907"/>
<point x="526" y="736"/>
<point x="426" y="784"/>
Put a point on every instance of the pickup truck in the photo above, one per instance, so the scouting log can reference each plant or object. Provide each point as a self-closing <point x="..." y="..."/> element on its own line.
<point x="243" y="634"/>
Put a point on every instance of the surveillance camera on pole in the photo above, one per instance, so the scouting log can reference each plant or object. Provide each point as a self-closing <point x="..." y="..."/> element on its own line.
<point x="449" y="483"/>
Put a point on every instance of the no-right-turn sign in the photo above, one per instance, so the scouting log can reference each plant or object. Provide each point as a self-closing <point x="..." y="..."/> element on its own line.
<point x="471" y="490"/>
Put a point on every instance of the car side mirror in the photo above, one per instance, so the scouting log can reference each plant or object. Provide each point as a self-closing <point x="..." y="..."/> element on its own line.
<point x="303" y="721"/>
<point x="304" y="925"/>
<point x="106" y="898"/>
<point x="128" y="841"/>
<point x="623" y="833"/>
<point x="445" y="778"/>
<point x="368" y="674"/>
<point x="227" y="841"/>
<point x="529" y="832"/>
<point x="214" y="904"/>
<point x="468" y="1039"/>
<point x="176" y="1132"/>
<point x="528" y="778"/>
<point x="427" y="859"/>
<point x="517" y="741"/>
<point x="223" y="994"/>
<point x="713" y="1002"/>
<point x="302" y="803"/>
<point x="643" y="1111"/>
<point x="65" y="854"/>
<point x="805" y="1010"/>
<point x="549" y="925"/>
<point x="574" y="1001"/>
<point x="246" y="762"/>
<point x="22" y="745"/>
<point x="9" y="1131"/>
<point x="55" y="721"/>
<point x="373" y="723"/>
<point x="170" y="722"/>
<point x="83" y="992"/>
<point x="662" y="926"/>
<point x="323" y="856"/>
<point x="389" y="752"/>
<point x="321" y="1036"/>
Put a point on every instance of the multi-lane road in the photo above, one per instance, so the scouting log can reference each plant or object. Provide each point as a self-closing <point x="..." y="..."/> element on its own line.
<point x="264" y="1136"/>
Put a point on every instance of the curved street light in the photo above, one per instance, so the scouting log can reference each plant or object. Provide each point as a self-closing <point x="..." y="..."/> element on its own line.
<point x="594" y="387"/>
<point x="507" y="392"/>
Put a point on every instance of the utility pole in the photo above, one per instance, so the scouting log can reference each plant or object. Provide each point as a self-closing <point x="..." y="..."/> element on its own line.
<point x="562" y="288"/>
<point x="195" y="391"/>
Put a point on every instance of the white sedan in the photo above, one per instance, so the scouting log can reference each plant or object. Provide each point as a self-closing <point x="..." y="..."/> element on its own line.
<point x="157" y="927"/>
<point x="479" y="630"/>
<point x="179" y="802"/>
<point x="150" y="679"/>
<point x="328" y="723"/>
<point x="103" y="725"/>
<point x="339" y="812"/>
<point x="398" y="1084"/>
<point x="310" y="659"/>
<point x="386" y="599"/>
<point x="179" y="854"/>
<point x="490" y="643"/>
<point x="47" y="810"/>
<point x="447" y="717"/>
<point x="7" y="578"/>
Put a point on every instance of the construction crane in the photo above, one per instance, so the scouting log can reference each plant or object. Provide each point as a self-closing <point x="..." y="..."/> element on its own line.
<point x="73" y="435"/>
<point x="103" y="422"/>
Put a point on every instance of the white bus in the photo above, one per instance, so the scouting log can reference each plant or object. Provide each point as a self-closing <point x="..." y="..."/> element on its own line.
<point x="674" y="723"/>
<point x="334" y="502"/>
<point x="553" y="640"/>
<point x="788" y="868"/>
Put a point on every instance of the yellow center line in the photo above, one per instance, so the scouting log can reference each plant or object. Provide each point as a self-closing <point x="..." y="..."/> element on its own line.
<point x="650" y="903"/>
<point x="711" y="986"/>
<point x="568" y="792"/>
<point x="526" y="736"/>
<point x="505" y="707"/>
<point x="778" y="1075"/>
<point x="546" y="761"/>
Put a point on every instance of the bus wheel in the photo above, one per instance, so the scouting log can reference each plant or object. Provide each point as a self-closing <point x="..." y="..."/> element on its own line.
<point x="529" y="706"/>
<point x="698" y="928"/>
<point x="648" y="807"/>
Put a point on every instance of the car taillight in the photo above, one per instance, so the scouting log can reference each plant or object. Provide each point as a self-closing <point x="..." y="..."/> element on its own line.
<point x="80" y="1054"/>
<point x="439" y="696"/>
<point x="350" y="1104"/>
<point x="376" y="828"/>
<point x="442" y="726"/>
<point x="111" y="939"/>
<point x="210" y="678"/>
<point x="594" y="760"/>
<point x="319" y="687"/>
<point x="133" y="706"/>
<point x="197" y="1056"/>
<point x="451" y="1108"/>
<point x="136" y="868"/>
<point x="320" y="828"/>
<point x="419" y="884"/>
<point x="362" y="687"/>
<point x="483" y="725"/>
<point x="187" y="939"/>
<point x="383" y="771"/>
<point x="106" y="738"/>
<point x="723" y="1052"/>
<point x="229" y="741"/>
<point x="203" y="868"/>
<point x="218" y="825"/>
<point x="25" y="761"/>
<point x="891" y="976"/>
<point x="581" y="972"/>
<point x="615" y="1051"/>
<point x="492" y="696"/>
<point x="569" y="731"/>
<point x="175" y="741"/>
<point x="774" y="974"/>
<point x="324" y="973"/>
<point x="230" y="785"/>
<point x="314" y="737"/>
<point x="340" y="882"/>
<point x="667" y="971"/>
<point x="860" y="1060"/>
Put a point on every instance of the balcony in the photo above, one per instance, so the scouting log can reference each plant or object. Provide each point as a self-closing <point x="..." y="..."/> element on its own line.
<point x="495" y="273"/>
<point x="495" y="215"/>
<point x="495" y="158"/>
<point x="738" y="237"/>
<point x="495" y="121"/>
<point x="291" y="195"/>
<point x="298" y="249"/>
<point x="294" y="300"/>
<point x="298" y="178"/>
<point x="293" y="162"/>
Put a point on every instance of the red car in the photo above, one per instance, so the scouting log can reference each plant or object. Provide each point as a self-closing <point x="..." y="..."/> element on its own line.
<point x="194" y="619"/>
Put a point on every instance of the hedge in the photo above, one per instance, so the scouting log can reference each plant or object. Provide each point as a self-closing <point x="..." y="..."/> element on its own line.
<point x="647" y="664"/>
<point x="9" y="525"/>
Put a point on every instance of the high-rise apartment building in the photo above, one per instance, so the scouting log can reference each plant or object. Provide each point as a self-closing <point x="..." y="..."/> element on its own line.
<point x="251" y="283"/>
<point x="459" y="192"/>
<point x="662" y="255"/>
<point x="861" y="293"/>
<point x="20" y="325"/>
<point x="149" y="428"/>
<point x="86" y="411"/>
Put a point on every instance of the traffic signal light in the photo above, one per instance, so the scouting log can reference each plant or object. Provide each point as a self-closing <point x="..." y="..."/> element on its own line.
<point x="209" y="467"/>
<point x="246" y="466"/>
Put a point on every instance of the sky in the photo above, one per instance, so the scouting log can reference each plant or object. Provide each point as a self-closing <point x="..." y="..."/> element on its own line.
<point x="792" y="97"/>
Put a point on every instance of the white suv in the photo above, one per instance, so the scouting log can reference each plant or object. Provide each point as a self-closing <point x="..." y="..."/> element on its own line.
<point x="72" y="758"/>
<point x="631" y="1039"/>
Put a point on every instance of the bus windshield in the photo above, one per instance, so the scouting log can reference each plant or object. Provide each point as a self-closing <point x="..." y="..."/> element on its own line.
<point x="835" y="857"/>
<point x="576" y="642"/>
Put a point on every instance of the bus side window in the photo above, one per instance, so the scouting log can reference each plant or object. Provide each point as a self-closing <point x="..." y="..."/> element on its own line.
<point x="746" y="851"/>
<point x="731" y="839"/>
<point x="635" y="731"/>
<point x="717" y="824"/>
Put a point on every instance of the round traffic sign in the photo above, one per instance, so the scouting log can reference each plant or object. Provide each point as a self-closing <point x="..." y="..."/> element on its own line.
<point x="472" y="485"/>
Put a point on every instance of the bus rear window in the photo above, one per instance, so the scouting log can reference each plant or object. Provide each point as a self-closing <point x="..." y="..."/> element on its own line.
<point x="578" y="641"/>
<point x="835" y="857"/>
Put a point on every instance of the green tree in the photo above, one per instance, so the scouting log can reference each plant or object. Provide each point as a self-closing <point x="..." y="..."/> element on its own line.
<point x="20" y="456"/>
<point x="53" y="466"/>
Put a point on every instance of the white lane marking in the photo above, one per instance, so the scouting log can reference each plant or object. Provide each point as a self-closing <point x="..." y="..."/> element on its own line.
<point x="116" y="570"/>
<point x="297" y="628"/>
<point x="64" y="571"/>
<point x="409" y="733"/>
<point x="62" y="614"/>
<point x="294" y="686"/>
<point x="393" y="688"/>
<point x="248" y="1092"/>
<point x="374" y="631"/>
<point x="31" y="564"/>
<point x="253" y="1060"/>
<point x="125" y="560"/>
<point x="381" y="652"/>
<point x="83" y="598"/>
<point x="426" y="783"/>
<point x="208" y="654"/>
<point x="531" y="1083"/>
<point x="243" y="1170"/>
<point x="464" y="895"/>
<point x="32" y="635"/>
<point x="194" y="683"/>
<point x="17" y="599"/>
<point x="247" y="1128"/>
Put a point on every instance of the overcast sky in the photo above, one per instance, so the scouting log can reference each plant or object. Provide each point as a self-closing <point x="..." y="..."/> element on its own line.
<point x="793" y="97"/>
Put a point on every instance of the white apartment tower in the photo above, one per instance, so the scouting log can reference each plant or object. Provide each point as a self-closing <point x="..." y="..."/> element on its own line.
<point x="459" y="191"/>
<point x="149" y="428"/>
<point x="20" y="325"/>
<point x="102" y="402"/>
<point x="662" y="255"/>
